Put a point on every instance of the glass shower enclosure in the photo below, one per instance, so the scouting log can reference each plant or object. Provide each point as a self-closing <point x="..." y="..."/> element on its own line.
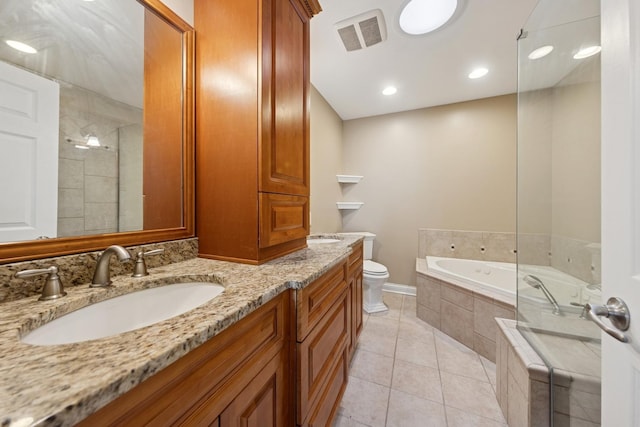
<point x="558" y="196"/>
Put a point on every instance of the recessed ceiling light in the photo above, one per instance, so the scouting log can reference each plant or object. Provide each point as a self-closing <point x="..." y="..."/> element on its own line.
<point x="424" y="16"/>
<point x="478" y="72"/>
<point x="541" y="52"/>
<point x="22" y="47"/>
<point x="389" y="90"/>
<point x="586" y="52"/>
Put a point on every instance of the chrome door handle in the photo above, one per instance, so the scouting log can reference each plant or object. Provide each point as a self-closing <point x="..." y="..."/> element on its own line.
<point x="617" y="312"/>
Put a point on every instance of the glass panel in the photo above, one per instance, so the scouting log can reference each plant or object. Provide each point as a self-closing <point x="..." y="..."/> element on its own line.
<point x="559" y="199"/>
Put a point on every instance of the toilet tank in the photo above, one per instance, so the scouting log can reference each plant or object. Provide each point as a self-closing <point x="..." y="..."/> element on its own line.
<point x="368" y="242"/>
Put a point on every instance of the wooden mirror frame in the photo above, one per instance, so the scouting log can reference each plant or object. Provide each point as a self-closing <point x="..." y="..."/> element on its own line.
<point x="35" y="249"/>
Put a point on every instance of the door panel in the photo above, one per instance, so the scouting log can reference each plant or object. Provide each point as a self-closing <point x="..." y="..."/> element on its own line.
<point x="29" y="116"/>
<point x="621" y="206"/>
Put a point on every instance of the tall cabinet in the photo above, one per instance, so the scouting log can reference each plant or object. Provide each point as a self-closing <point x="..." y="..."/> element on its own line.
<point x="252" y="127"/>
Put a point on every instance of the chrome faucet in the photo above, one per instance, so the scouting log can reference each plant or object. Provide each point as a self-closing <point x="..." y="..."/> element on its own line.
<point x="101" y="276"/>
<point x="535" y="282"/>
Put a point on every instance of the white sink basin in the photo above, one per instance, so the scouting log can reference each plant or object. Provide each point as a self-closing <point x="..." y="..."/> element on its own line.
<point x="124" y="313"/>
<point x="320" y="241"/>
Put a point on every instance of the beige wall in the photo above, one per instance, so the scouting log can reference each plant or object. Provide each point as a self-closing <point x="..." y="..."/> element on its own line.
<point x="575" y="155"/>
<point x="449" y="167"/>
<point x="326" y="163"/>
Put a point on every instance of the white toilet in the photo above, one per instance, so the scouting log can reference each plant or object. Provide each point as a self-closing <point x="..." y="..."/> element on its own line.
<point x="374" y="276"/>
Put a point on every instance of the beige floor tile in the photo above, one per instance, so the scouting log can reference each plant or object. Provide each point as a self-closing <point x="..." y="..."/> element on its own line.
<point x="408" y="306"/>
<point x="458" y="418"/>
<point x="417" y="380"/>
<point x="372" y="367"/>
<point x="469" y="395"/>
<point x="420" y="331"/>
<point x="458" y="359"/>
<point x="490" y="369"/>
<point x="418" y="352"/>
<point x="375" y="343"/>
<point x="392" y="300"/>
<point x="379" y="336"/>
<point x="342" y="421"/>
<point x="365" y="402"/>
<point x="406" y="410"/>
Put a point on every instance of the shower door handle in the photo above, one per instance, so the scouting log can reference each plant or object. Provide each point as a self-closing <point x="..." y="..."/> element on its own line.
<point x="617" y="312"/>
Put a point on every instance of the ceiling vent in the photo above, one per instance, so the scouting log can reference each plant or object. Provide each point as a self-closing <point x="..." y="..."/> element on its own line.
<point x="363" y="30"/>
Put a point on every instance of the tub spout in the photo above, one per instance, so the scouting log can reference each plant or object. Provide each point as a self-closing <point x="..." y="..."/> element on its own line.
<point x="535" y="282"/>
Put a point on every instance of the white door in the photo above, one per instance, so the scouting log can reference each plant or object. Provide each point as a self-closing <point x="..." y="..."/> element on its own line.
<point x="621" y="205"/>
<point x="29" y="117"/>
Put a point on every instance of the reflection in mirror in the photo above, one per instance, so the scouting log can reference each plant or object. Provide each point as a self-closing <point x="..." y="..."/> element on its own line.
<point x="92" y="92"/>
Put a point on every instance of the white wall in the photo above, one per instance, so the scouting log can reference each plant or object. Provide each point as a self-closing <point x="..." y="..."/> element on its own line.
<point x="448" y="167"/>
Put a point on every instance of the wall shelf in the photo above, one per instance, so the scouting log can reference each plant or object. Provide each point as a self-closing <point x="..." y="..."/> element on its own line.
<point x="349" y="179"/>
<point x="349" y="205"/>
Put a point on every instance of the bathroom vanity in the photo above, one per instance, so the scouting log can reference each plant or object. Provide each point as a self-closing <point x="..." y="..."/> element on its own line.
<point x="273" y="348"/>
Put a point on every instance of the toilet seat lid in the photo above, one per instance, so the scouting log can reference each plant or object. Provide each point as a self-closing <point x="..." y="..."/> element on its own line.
<point x="373" y="268"/>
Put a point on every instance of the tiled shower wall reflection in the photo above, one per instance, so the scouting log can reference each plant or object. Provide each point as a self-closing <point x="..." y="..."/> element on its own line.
<point x="89" y="179"/>
<point x="575" y="257"/>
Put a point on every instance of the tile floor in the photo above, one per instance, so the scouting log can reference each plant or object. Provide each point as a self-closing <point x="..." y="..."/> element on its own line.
<point x="407" y="374"/>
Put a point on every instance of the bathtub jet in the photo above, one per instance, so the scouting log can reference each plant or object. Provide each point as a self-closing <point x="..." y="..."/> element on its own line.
<point x="535" y="282"/>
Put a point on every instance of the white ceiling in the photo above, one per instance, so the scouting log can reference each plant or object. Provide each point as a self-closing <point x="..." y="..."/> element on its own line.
<point x="96" y="45"/>
<point x="428" y="70"/>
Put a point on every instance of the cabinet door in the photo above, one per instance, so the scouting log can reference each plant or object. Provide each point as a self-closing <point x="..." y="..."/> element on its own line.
<point x="284" y="166"/>
<point x="318" y="354"/>
<point x="354" y="278"/>
<point x="263" y="403"/>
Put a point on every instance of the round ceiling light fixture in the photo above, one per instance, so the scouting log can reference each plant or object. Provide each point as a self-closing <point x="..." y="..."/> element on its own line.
<point x="22" y="47"/>
<point x="424" y="16"/>
<point x="389" y="90"/>
<point x="541" y="52"/>
<point x="586" y="52"/>
<point x="478" y="72"/>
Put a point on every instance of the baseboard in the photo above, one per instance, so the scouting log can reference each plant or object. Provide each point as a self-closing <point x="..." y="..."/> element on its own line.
<point x="399" y="289"/>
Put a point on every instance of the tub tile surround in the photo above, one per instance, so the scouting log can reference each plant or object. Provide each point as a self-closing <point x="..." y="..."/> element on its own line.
<point x="85" y="378"/>
<point x="523" y="380"/>
<point x="461" y="312"/>
<point x="578" y="258"/>
<point x="478" y="245"/>
<point x="75" y="270"/>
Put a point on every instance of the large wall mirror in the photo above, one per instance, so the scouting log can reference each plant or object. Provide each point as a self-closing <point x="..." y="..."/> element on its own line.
<point x="96" y="125"/>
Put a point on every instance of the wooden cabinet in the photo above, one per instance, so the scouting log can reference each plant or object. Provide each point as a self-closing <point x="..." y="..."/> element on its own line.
<point x="241" y="374"/>
<point x="287" y="363"/>
<point x="324" y="319"/>
<point x="354" y="281"/>
<point x="252" y="127"/>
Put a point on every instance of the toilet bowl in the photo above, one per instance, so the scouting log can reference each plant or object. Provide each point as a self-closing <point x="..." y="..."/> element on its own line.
<point x="375" y="275"/>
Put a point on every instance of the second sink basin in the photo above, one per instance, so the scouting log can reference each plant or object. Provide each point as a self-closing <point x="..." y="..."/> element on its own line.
<point x="124" y="313"/>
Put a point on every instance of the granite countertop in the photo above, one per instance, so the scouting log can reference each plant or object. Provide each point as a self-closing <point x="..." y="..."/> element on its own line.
<point x="62" y="384"/>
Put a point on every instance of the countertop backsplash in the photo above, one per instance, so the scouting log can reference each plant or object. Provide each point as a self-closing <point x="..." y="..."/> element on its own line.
<point x="75" y="270"/>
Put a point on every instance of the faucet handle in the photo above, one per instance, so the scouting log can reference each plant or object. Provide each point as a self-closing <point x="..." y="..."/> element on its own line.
<point x="52" y="288"/>
<point x="140" y="268"/>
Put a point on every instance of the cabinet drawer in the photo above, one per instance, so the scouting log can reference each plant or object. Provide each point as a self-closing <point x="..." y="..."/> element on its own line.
<point x="319" y="353"/>
<point x="323" y="413"/>
<point x="316" y="299"/>
<point x="282" y="218"/>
